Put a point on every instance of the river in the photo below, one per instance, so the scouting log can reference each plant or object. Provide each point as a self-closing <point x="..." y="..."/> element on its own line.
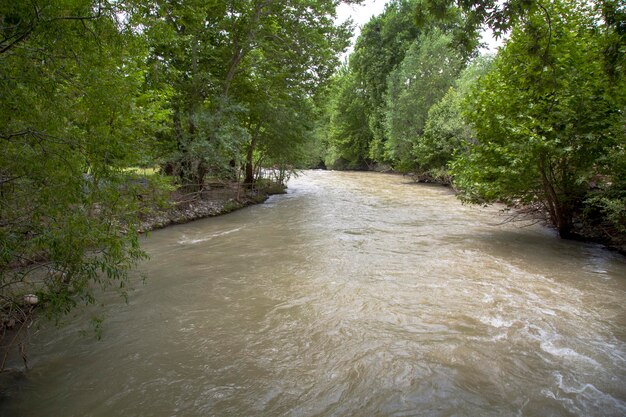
<point x="355" y="294"/>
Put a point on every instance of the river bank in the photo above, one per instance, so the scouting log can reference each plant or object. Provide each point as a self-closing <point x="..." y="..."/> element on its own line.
<point x="180" y="207"/>
<point x="214" y="200"/>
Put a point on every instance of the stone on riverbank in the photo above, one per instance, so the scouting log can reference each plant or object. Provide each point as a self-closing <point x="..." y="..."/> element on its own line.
<point x="211" y="202"/>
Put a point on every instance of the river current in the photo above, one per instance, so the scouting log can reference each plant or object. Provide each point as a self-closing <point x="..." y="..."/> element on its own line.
<point x="355" y="294"/>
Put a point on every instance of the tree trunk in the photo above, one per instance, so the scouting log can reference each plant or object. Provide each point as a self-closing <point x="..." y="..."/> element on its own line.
<point x="249" y="180"/>
<point x="241" y="49"/>
<point x="232" y="69"/>
<point x="559" y="210"/>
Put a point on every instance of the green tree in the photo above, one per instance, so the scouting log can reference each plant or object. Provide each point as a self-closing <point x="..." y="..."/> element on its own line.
<point x="348" y="131"/>
<point x="446" y="131"/>
<point x="294" y="55"/>
<point x="190" y="53"/>
<point x="546" y="116"/>
<point x="72" y="111"/>
<point x="605" y="204"/>
<point x="378" y="54"/>
<point x="426" y="73"/>
<point x="379" y="49"/>
<point x="499" y="15"/>
<point x="225" y="58"/>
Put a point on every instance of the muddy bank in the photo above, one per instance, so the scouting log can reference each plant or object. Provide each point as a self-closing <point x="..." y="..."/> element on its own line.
<point x="214" y="200"/>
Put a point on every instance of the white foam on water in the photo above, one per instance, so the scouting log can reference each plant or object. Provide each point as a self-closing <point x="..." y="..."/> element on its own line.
<point x="566" y="352"/>
<point x="207" y="238"/>
<point x="547" y="312"/>
<point x="496" y="321"/>
<point x="586" y="393"/>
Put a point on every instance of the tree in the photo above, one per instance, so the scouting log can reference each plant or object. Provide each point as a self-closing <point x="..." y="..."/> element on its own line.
<point x="379" y="52"/>
<point x="222" y="57"/>
<point x="605" y="204"/>
<point x="348" y="131"/>
<point x="73" y="110"/>
<point x="446" y="131"/>
<point x="546" y="116"/>
<point x="278" y="120"/>
<point x="379" y="49"/>
<point x="190" y="52"/>
<point x="295" y="53"/>
<point x="426" y="73"/>
<point x="499" y="15"/>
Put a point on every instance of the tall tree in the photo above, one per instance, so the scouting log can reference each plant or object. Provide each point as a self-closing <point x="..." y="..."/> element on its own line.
<point x="428" y="70"/>
<point x="295" y="52"/>
<point x="348" y="131"/>
<point x="446" y="131"/>
<point x="379" y="50"/>
<point x="546" y="116"/>
<point x="72" y="111"/>
<point x="222" y="56"/>
<point x="191" y="52"/>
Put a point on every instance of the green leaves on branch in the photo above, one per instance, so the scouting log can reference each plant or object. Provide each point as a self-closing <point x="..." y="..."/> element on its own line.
<point x="398" y="71"/>
<point x="237" y="68"/>
<point x="545" y="117"/>
<point x="74" y="112"/>
<point x="446" y="131"/>
<point x="543" y="125"/>
<point x="428" y="70"/>
<point x="348" y="132"/>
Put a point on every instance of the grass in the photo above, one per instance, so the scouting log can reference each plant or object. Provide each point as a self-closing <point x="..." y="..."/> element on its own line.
<point x="143" y="171"/>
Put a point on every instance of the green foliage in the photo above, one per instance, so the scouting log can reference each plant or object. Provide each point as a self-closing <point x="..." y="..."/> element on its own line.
<point x="242" y="74"/>
<point x="604" y="206"/>
<point x="426" y="73"/>
<point x="381" y="47"/>
<point x="446" y="131"/>
<point x="380" y="102"/>
<point x="543" y="125"/>
<point x="186" y="60"/>
<point x="546" y="116"/>
<point x="459" y="22"/>
<point x="75" y="111"/>
<point x="349" y="134"/>
<point x="498" y="15"/>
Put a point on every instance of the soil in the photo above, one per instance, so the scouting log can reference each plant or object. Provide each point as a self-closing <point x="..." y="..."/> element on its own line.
<point x="213" y="200"/>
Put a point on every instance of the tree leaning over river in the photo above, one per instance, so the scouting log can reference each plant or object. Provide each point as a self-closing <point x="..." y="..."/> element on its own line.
<point x="549" y="121"/>
<point x="73" y="113"/>
<point x="92" y="89"/>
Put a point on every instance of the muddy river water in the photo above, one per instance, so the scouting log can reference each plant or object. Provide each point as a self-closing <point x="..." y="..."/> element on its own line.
<point x="356" y="294"/>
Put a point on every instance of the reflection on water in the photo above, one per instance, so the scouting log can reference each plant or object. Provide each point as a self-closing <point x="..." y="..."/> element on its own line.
<point x="356" y="294"/>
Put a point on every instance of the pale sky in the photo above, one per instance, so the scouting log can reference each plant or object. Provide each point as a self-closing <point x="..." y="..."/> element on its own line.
<point x="360" y="16"/>
<point x="363" y="13"/>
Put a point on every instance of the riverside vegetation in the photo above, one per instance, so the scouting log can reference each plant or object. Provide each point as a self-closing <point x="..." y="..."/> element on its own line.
<point x="208" y="91"/>
<point x="540" y="125"/>
<point x="211" y="92"/>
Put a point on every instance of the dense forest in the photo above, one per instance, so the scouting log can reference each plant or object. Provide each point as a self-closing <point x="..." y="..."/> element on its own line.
<point x="200" y="90"/>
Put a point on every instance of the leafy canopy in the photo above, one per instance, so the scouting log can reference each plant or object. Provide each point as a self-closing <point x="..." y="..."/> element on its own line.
<point x="546" y="116"/>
